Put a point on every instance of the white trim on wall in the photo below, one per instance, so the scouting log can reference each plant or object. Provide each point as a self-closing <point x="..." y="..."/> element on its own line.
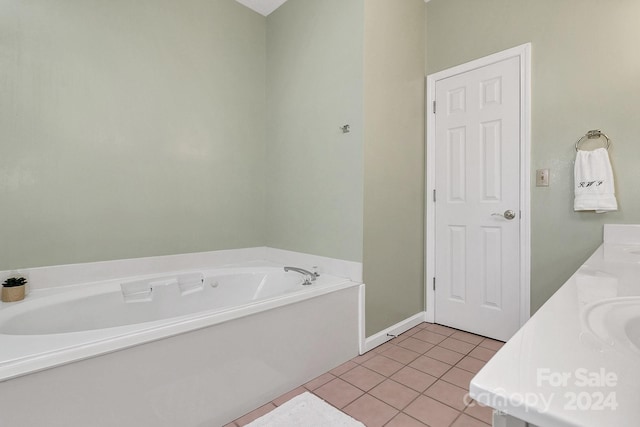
<point x="523" y="52"/>
<point x="362" y="334"/>
<point x="391" y="332"/>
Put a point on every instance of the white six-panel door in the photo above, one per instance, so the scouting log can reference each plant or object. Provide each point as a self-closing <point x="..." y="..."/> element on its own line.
<point x="477" y="182"/>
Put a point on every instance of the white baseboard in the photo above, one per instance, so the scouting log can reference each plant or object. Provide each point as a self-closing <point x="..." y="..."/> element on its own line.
<point x="383" y="336"/>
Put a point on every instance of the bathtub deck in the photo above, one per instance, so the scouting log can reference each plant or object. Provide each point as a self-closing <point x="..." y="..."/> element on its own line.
<point x="417" y="379"/>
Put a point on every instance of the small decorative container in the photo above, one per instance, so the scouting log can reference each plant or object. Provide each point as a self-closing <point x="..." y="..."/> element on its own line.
<point x="13" y="289"/>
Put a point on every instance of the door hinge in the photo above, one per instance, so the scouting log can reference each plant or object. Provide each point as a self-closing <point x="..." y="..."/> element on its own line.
<point x="434" y="107"/>
<point x="434" y="283"/>
<point x="434" y="195"/>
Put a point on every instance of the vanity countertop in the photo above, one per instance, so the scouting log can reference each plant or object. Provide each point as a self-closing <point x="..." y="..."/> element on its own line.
<point x="576" y="362"/>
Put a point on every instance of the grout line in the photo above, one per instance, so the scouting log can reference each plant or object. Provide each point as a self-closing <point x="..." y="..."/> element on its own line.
<point x="404" y="413"/>
<point x="456" y="419"/>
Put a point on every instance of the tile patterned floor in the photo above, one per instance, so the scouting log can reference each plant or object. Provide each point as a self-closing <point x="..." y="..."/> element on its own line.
<point x="421" y="378"/>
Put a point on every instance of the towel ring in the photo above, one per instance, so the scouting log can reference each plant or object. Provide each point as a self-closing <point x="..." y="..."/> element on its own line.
<point x="593" y="134"/>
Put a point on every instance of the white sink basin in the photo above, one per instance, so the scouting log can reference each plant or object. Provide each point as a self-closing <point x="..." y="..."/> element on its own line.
<point x="616" y="323"/>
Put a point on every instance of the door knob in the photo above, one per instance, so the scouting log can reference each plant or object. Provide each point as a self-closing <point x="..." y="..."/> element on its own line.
<point x="508" y="214"/>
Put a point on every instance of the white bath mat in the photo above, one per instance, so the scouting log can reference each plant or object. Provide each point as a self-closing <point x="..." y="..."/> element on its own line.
<point x="305" y="410"/>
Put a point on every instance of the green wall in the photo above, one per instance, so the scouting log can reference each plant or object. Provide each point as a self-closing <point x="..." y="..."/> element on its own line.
<point x="394" y="72"/>
<point x="585" y="70"/>
<point x="129" y="129"/>
<point x="143" y="128"/>
<point x="314" y="86"/>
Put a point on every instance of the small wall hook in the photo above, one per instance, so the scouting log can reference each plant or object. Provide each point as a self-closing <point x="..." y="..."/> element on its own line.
<point x="345" y="128"/>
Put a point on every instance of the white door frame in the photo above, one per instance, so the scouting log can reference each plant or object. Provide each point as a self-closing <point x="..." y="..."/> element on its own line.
<point x="523" y="52"/>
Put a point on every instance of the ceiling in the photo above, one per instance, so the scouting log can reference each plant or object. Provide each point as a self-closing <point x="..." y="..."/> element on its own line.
<point x="263" y="7"/>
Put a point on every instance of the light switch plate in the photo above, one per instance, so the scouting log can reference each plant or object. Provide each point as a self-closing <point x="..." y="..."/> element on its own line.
<point x="542" y="178"/>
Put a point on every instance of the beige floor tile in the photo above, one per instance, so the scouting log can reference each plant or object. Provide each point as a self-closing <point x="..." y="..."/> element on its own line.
<point x="467" y="337"/>
<point x="481" y="412"/>
<point x="383" y="365"/>
<point x="363" y="378"/>
<point x="444" y="355"/>
<point x="397" y="340"/>
<point x="458" y="377"/>
<point x="370" y="411"/>
<point x="449" y="394"/>
<point x="364" y="357"/>
<point x="288" y="396"/>
<point x="404" y="420"/>
<point x="430" y="337"/>
<point x="338" y="392"/>
<point x="471" y="364"/>
<point x="257" y="413"/>
<point x="467" y="421"/>
<point x="491" y="344"/>
<point x="414" y="378"/>
<point x="394" y="394"/>
<point x="482" y="353"/>
<point x="416" y="345"/>
<point x="440" y="329"/>
<point x="431" y="412"/>
<point x="339" y="370"/>
<point x="457" y="345"/>
<point x="384" y="347"/>
<point x="400" y="354"/>
<point x="319" y="381"/>
<point x="430" y="366"/>
<point x="412" y="330"/>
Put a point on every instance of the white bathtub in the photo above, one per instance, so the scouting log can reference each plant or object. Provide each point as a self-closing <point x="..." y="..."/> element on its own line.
<point x="189" y="348"/>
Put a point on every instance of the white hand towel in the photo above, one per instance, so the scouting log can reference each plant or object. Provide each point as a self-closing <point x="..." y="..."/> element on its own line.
<point x="594" y="188"/>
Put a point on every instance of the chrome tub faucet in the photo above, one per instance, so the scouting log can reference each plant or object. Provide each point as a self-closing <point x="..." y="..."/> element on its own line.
<point x="308" y="275"/>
